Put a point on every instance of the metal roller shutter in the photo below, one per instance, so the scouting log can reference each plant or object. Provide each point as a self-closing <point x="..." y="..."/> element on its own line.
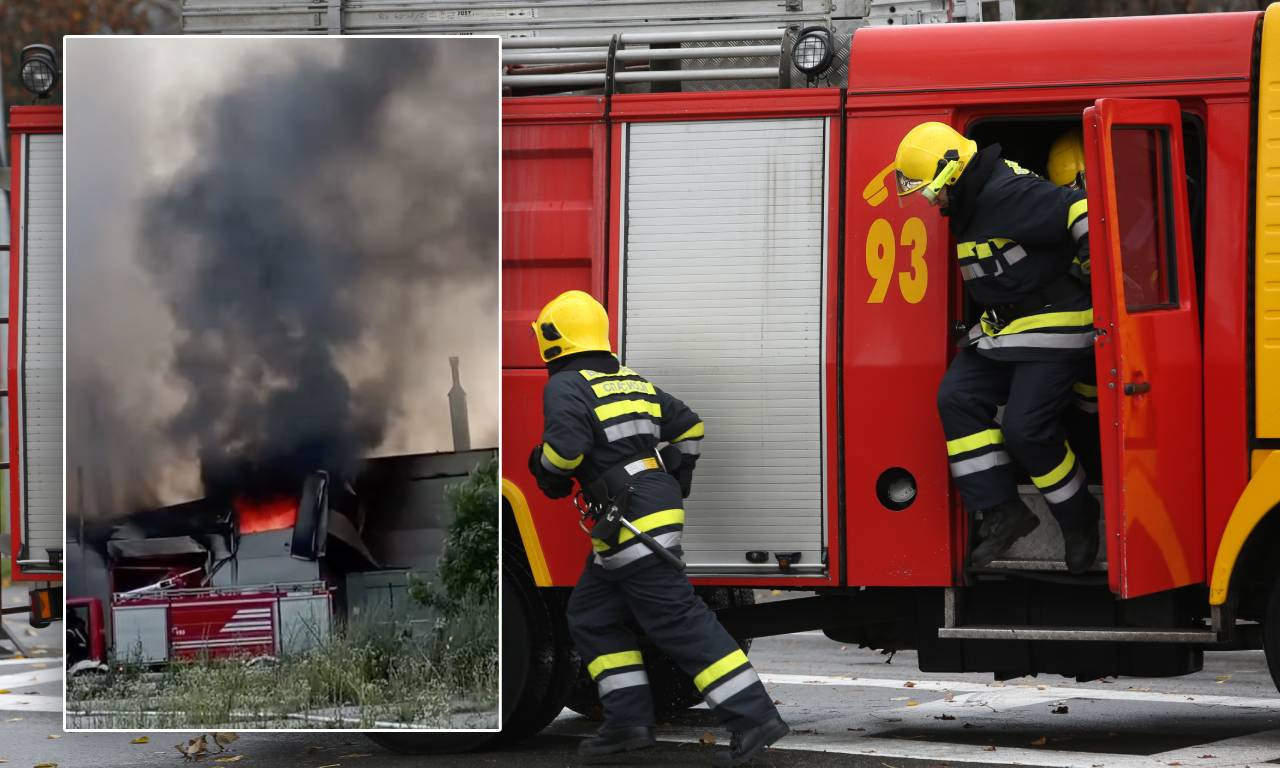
<point x="723" y="306"/>
<point x="40" y="400"/>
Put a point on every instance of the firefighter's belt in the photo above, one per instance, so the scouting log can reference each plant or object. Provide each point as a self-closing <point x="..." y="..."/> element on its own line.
<point x="614" y="480"/>
<point x="1065" y="288"/>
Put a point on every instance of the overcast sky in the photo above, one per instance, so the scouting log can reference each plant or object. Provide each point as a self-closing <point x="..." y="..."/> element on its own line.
<point x="234" y="201"/>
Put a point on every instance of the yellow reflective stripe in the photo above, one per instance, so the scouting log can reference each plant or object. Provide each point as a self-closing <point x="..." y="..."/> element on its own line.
<point x="1088" y="390"/>
<point x="528" y="533"/>
<point x="720" y="669"/>
<point x="593" y="375"/>
<point x="1056" y="474"/>
<point x="1078" y="208"/>
<point x="981" y="250"/>
<point x="655" y="520"/>
<point x="606" y="388"/>
<point x="975" y="441"/>
<point x="697" y="430"/>
<point x="1043" y="320"/>
<point x="566" y="464"/>
<point x="599" y="545"/>
<point x="613" y="661"/>
<point x="624" y="407"/>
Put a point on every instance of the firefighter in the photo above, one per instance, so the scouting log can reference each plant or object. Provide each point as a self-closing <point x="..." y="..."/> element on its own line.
<point x="603" y="424"/>
<point x="1020" y="241"/>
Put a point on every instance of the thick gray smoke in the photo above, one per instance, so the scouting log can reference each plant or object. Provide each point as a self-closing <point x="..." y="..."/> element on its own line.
<point x="313" y="251"/>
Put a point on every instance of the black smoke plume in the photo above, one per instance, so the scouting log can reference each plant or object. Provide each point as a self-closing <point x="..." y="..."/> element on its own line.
<point x="322" y="208"/>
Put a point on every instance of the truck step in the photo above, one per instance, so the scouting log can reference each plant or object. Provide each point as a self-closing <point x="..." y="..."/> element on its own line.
<point x="1080" y="634"/>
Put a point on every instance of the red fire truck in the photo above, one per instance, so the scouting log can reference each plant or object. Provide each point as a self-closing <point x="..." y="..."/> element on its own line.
<point x="33" y="387"/>
<point x="754" y="262"/>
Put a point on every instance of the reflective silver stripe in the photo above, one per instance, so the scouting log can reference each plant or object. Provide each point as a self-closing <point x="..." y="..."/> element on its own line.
<point x="1014" y="255"/>
<point x="611" y="683"/>
<point x="971" y="271"/>
<point x="979" y="464"/>
<point x="637" y="550"/>
<point x="631" y="429"/>
<point x="1088" y="406"/>
<point x="552" y="468"/>
<point x="1046" y="340"/>
<point x="690" y="447"/>
<point x="1068" y="490"/>
<point x="734" y="685"/>
<point x="1080" y="228"/>
<point x="640" y="465"/>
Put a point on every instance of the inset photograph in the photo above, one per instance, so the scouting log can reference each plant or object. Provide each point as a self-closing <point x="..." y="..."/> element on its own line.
<point x="282" y="383"/>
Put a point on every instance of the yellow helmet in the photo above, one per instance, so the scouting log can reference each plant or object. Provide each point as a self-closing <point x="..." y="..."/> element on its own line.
<point x="1066" y="158"/>
<point x="570" y="323"/>
<point x="930" y="156"/>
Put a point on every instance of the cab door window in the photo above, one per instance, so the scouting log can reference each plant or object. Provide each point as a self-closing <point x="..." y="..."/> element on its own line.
<point x="1145" y="218"/>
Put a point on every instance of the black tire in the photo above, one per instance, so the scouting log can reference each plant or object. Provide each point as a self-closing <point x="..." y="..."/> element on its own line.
<point x="673" y="690"/>
<point x="533" y="654"/>
<point x="1271" y="633"/>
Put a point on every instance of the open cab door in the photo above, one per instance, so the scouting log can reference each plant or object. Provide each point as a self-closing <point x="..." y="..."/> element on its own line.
<point x="1148" y="348"/>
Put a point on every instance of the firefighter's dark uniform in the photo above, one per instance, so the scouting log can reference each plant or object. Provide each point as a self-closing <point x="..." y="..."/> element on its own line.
<point x="1022" y="245"/>
<point x="603" y="424"/>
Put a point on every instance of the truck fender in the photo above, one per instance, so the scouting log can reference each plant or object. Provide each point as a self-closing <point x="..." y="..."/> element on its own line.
<point x="515" y="501"/>
<point x="1260" y="496"/>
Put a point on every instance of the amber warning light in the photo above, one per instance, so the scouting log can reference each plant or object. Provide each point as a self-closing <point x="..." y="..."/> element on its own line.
<point x="258" y="515"/>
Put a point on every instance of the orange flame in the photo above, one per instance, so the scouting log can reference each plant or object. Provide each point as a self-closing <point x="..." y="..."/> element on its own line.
<point x="266" y="515"/>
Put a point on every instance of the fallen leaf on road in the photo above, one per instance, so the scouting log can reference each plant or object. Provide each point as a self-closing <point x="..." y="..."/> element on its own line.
<point x="46" y="765"/>
<point x="4" y="690"/>
<point x="776" y="701"/>
<point x="140" y="740"/>
<point x="855" y="729"/>
<point x="988" y="749"/>
<point x="229" y="759"/>
<point x="31" y="632"/>
<point x="314" y="748"/>
<point x="912" y="703"/>
<point x="193" y="749"/>
<point x="909" y="684"/>
<point x="53" y="736"/>
<point x="223" y="739"/>
<point x="1175" y="762"/>
<point x="358" y="754"/>
<point x="1202" y="757"/>
<point x="1040" y="742"/>
<point x="3" y="760"/>
<point x="14" y="720"/>
<point x="707" y="738"/>
<point x="944" y="717"/>
<point x="948" y="696"/>
<point x="1061" y="709"/>
<point x="332" y="765"/>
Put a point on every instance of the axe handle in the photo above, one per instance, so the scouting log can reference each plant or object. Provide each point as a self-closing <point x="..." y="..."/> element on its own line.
<point x="659" y="550"/>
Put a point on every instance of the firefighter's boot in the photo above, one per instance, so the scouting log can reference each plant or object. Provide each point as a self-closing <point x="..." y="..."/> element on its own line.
<point x="610" y="741"/>
<point x="1080" y="535"/>
<point x="1001" y="526"/>
<point x="745" y="745"/>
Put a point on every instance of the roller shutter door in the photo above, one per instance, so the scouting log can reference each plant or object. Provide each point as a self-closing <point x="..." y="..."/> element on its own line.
<point x="40" y="331"/>
<point x="723" y="306"/>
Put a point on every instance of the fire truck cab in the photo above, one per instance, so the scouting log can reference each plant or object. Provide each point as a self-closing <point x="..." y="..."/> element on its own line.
<point x="756" y="264"/>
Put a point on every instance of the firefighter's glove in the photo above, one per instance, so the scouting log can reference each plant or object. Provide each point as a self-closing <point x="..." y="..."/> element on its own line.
<point x="684" y="474"/>
<point x="553" y="485"/>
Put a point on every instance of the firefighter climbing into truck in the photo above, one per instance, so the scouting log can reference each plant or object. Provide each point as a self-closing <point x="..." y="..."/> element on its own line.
<point x="1023" y="249"/>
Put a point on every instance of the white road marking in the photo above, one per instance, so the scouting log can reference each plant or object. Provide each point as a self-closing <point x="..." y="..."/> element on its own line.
<point x="16" y="702"/>
<point x="28" y="661"/>
<point x="1249" y="749"/>
<point x="1032" y="693"/>
<point x="19" y="680"/>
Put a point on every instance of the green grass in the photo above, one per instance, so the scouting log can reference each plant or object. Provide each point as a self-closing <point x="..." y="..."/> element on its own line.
<point x="370" y="670"/>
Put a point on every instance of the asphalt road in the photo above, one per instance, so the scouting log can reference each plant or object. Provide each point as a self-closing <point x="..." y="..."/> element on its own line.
<point x="848" y="708"/>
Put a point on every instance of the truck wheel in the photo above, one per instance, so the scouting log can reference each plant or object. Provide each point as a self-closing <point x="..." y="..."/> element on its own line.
<point x="673" y="690"/>
<point x="530" y="658"/>
<point x="1271" y="633"/>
